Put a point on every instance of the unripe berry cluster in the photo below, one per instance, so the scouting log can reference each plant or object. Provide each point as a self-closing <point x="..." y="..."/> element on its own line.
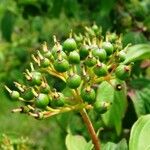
<point x="82" y="61"/>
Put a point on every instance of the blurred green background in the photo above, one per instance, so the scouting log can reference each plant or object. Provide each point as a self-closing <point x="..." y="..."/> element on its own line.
<point x="26" y="24"/>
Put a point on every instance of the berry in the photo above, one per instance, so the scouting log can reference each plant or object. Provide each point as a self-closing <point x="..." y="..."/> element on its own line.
<point x="90" y="61"/>
<point x="55" y="49"/>
<point x="122" y="72"/>
<point x="42" y="100"/>
<point x="74" y="57"/>
<point x="95" y="28"/>
<point x="36" y="78"/>
<point x="45" y="62"/>
<point x="74" y="81"/>
<point x="84" y="51"/>
<point x="88" y="95"/>
<point x="45" y="89"/>
<point x="27" y="94"/>
<point x="101" y="107"/>
<point x="122" y="56"/>
<point x="100" y="53"/>
<point x="100" y="69"/>
<point x="58" y="100"/>
<point x="108" y="47"/>
<point x="69" y="45"/>
<point x="48" y="54"/>
<point x="61" y="65"/>
<point x="14" y="95"/>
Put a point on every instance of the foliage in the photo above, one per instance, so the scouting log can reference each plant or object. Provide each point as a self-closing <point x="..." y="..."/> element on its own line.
<point x="25" y="24"/>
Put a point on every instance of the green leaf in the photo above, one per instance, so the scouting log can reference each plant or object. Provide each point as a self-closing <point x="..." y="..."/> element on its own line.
<point x="134" y="38"/>
<point x="140" y="95"/>
<point x="77" y="142"/>
<point x="140" y="134"/>
<point x="137" y="52"/>
<point x="109" y="146"/>
<point x="122" y="145"/>
<point x="106" y="92"/>
<point x="7" y="24"/>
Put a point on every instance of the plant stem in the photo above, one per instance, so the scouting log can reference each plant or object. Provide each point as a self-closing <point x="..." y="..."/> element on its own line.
<point x="91" y="130"/>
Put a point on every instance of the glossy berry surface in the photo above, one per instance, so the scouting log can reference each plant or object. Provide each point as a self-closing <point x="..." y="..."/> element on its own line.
<point x="14" y="95"/>
<point x="74" y="57"/>
<point x="88" y="95"/>
<point x="58" y="100"/>
<point x="100" y="54"/>
<point x="74" y="81"/>
<point x="27" y="94"/>
<point x="108" y="47"/>
<point x="61" y="65"/>
<point x="90" y="61"/>
<point x="42" y="100"/>
<point x="84" y="51"/>
<point x="36" y="78"/>
<point x="100" y="69"/>
<point x="100" y="107"/>
<point x="121" y="56"/>
<point x="122" y="72"/>
<point x="69" y="45"/>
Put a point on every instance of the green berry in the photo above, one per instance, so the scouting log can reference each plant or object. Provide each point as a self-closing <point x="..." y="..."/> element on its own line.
<point x="101" y="107"/>
<point x="55" y="49"/>
<point x="74" y="81"/>
<point x="58" y="100"/>
<point x="112" y="37"/>
<point x="74" y="57"/>
<point x="36" y="78"/>
<point x="90" y="61"/>
<point x="27" y="94"/>
<point x="95" y="28"/>
<point x="62" y="53"/>
<point x="14" y="95"/>
<point x="84" y="51"/>
<point x="100" y="70"/>
<point x="122" y="72"/>
<point x="45" y="89"/>
<point x="122" y="56"/>
<point x="48" y="54"/>
<point x="69" y="45"/>
<point x="42" y="100"/>
<point x="108" y="47"/>
<point x="88" y="95"/>
<point x="45" y="62"/>
<point x="100" y="53"/>
<point x="61" y="65"/>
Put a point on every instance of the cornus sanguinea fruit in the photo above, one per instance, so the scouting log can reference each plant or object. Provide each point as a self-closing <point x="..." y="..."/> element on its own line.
<point x="100" y="69"/>
<point x="81" y="65"/>
<point x="108" y="47"/>
<point x="58" y="100"/>
<point x="69" y="45"/>
<point x="90" y="61"/>
<point x="61" y="65"/>
<point x="42" y="100"/>
<point x="101" y="106"/>
<point x="27" y="94"/>
<point x="74" y="57"/>
<point x="84" y="51"/>
<point x="121" y="56"/>
<point x="14" y="95"/>
<point x="100" y="54"/>
<point x="88" y="94"/>
<point x="74" y="81"/>
<point x="122" y="72"/>
<point x="36" y="78"/>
